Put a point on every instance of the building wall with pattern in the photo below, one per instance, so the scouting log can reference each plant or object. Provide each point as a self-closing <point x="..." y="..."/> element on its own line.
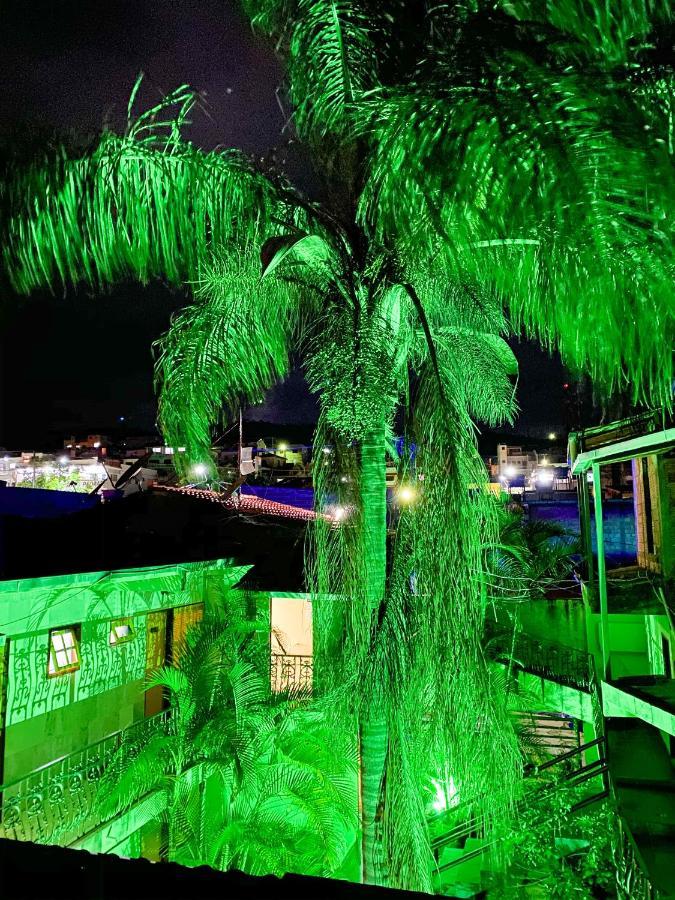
<point x="45" y="717"/>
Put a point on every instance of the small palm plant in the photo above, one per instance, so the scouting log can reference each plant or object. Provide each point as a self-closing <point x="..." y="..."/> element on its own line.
<point x="241" y="778"/>
<point x="529" y="558"/>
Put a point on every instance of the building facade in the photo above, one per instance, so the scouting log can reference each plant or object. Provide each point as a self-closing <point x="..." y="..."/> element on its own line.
<point x="75" y="653"/>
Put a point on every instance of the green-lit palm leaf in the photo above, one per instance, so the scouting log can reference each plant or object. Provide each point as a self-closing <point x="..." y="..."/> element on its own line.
<point x="145" y="205"/>
<point x="228" y="347"/>
<point x="587" y="250"/>
<point x="330" y="57"/>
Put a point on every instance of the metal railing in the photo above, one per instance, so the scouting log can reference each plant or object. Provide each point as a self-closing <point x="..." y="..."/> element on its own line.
<point x="291" y="672"/>
<point x="474" y="824"/>
<point x="56" y="802"/>
<point x="557" y="662"/>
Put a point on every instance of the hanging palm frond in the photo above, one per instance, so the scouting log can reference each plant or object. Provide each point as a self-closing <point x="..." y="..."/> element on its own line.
<point x="144" y="205"/>
<point x="229" y="346"/>
<point x="588" y="250"/>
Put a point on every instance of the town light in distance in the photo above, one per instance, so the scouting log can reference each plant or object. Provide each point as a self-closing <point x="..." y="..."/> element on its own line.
<point x="510" y="471"/>
<point x="200" y="470"/>
<point x="406" y="494"/>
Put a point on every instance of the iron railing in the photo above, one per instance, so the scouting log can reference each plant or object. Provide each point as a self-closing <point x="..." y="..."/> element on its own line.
<point x="56" y="802"/>
<point x="473" y="824"/>
<point x="557" y="662"/>
<point x="291" y="672"/>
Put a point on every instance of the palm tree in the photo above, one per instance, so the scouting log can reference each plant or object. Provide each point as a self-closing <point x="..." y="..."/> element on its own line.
<point x="485" y="166"/>
<point x="530" y="558"/>
<point x="242" y="778"/>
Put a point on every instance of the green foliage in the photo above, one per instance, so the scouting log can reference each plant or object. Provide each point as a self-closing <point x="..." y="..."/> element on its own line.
<point x="529" y="557"/>
<point x="248" y="780"/>
<point x="226" y="348"/>
<point x="147" y="204"/>
<point x="561" y="852"/>
<point x="489" y="167"/>
<point x="69" y="482"/>
<point x="330" y="64"/>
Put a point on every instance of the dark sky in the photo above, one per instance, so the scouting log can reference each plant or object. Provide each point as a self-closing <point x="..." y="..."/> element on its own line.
<point x="81" y="362"/>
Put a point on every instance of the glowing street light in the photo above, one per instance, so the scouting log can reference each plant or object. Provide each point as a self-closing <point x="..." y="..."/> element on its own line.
<point x="339" y="513"/>
<point x="406" y="494"/>
<point x="552" y="435"/>
<point x="283" y="446"/>
<point x="545" y="476"/>
<point x="510" y="471"/>
<point x="200" y="470"/>
<point x="64" y="460"/>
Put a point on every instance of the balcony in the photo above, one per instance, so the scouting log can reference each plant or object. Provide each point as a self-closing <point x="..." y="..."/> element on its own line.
<point x="291" y="673"/>
<point x="55" y="804"/>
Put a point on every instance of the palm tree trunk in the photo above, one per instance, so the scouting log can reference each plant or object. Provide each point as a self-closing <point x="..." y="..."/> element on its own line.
<point x="373" y="724"/>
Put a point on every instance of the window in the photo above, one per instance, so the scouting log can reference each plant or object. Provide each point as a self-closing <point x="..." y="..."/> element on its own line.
<point x="64" y="651"/>
<point x="121" y="631"/>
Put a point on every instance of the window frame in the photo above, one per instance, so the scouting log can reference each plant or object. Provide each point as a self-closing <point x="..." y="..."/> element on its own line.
<point x="52" y="651"/>
<point x="124" y="620"/>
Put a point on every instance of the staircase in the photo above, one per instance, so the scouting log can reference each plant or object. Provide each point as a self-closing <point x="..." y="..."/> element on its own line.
<point x="461" y="848"/>
<point x="643" y="781"/>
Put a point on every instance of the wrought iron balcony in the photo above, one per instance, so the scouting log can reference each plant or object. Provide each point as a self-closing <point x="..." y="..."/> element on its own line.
<point x="291" y="672"/>
<point x="55" y="804"/>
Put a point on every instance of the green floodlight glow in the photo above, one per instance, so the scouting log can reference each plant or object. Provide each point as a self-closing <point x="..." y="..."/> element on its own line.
<point x="446" y="795"/>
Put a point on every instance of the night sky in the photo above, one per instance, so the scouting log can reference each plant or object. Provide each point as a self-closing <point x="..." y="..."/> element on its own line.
<point x="80" y="362"/>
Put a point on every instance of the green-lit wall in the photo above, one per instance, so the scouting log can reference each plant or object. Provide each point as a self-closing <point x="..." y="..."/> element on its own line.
<point x="45" y="717"/>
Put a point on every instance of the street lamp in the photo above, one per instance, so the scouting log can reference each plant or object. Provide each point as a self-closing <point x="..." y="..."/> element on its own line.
<point x="200" y="470"/>
<point x="406" y="494"/>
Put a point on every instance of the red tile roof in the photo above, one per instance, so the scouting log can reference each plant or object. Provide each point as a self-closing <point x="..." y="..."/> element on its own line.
<point x="248" y="504"/>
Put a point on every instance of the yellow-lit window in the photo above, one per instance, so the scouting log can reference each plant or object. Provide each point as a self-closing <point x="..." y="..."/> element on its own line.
<point x="64" y="651"/>
<point x="121" y="631"/>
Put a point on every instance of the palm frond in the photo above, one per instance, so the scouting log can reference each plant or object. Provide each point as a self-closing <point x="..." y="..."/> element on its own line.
<point x="144" y="205"/>
<point x="586" y="253"/>
<point x="331" y="56"/>
<point x="228" y="347"/>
